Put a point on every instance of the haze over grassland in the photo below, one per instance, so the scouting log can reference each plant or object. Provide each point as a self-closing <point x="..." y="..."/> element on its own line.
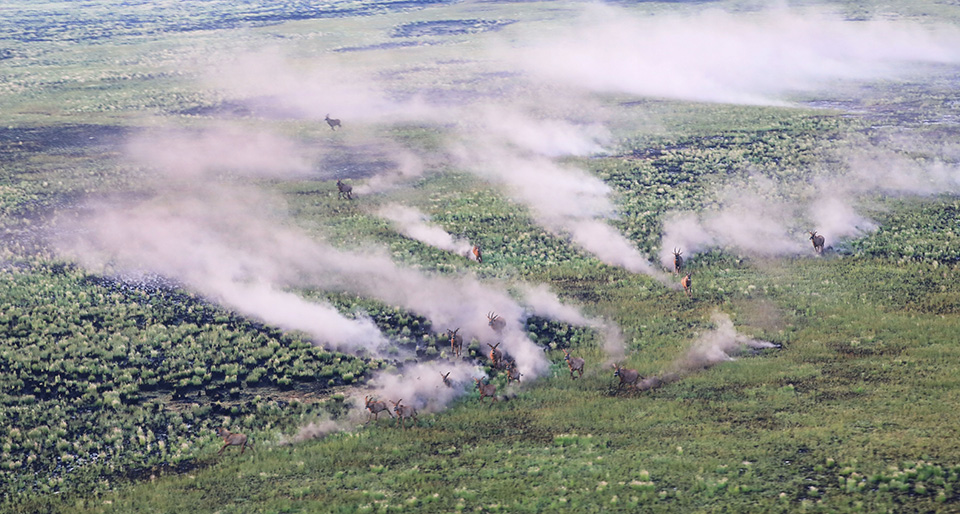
<point x="513" y="131"/>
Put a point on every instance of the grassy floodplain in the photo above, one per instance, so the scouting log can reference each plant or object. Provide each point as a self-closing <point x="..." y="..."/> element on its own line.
<point x="112" y="383"/>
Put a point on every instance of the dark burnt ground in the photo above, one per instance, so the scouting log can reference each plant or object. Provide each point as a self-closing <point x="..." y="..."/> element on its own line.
<point x="19" y="142"/>
<point x="449" y="27"/>
<point x="34" y="188"/>
<point x="356" y="162"/>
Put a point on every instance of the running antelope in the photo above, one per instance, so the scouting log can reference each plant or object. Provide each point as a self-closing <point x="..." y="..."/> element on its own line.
<point x="476" y="254"/>
<point x="446" y="379"/>
<point x="346" y="190"/>
<point x="456" y="342"/>
<point x="513" y="373"/>
<point x="496" y="322"/>
<point x="687" y="283"/>
<point x="376" y="407"/>
<point x="574" y="363"/>
<point x="333" y="122"/>
<point x="817" y="241"/>
<point x="404" y="412"/>
<point x="486" y="390"/>
<point x="495" y="355"/>
<point x="677" y="261"/>
<point x="628" y="377"/>
<point x="230" y="439"/>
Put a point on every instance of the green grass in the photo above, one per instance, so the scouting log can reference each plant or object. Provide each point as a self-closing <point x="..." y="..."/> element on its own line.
<point x="110" y="392"/>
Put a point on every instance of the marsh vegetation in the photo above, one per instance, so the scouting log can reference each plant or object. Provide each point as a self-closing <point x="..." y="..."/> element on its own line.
<point x="177" y="259"/>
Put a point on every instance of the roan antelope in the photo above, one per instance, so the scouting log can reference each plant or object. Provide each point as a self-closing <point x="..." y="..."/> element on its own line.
<point x="446" y="379"/>
<point x="476" y="253"/>
<point x="376" y="407"/>
<point x="230" y="439"/>
<point x="456" y="342"/>
<point x="404" y="412"/>
<point x="333" y="122"/>
<point x="574" y="363"/>
<point x="496" y="322"/>
<point x="495" y="355"/>
<point x="687" y="283"/>
<point x="677" y="261"/>
<point x="346" y="190"/>
<point x="513" y="373"/>
<point x="817" y="241"/>
<point x="486" y="390"/>
<point x="628" y="377"/>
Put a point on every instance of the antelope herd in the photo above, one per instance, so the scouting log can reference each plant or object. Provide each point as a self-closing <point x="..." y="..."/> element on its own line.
<point x="628" y="378"/>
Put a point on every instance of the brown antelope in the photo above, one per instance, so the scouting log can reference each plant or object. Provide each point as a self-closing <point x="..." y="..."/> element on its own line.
<point x="496" y="322"/>
<point x="677" y="261"/>
<point x="346" y="190"/>
<point x="574" y="363"/>
<point x="230" y="439"/>
<point x="495" y="355"/>
<point x="513" y="373"/>
<point x="456" y="342"/>
<point x="376" y="407"/>
<point x="687" y="283"/>
<point x="476" y="253"/>
<point x="404" y="412"/>
<point x="486" y="390"/>
<point x="628" y="377"/>
<point x="333" y="122"/>
<point x="817" y="241"/>
<point x="446" y="379"/>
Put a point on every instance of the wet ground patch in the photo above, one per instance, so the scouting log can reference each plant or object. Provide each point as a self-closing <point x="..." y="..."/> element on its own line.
<point x="449" y="27"/>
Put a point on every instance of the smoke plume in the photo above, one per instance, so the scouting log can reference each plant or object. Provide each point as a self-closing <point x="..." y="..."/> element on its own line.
<point x="544" y="302"/>
<point x="415" y="225"/>
<point x="421" y="385"/>
<point x="721" y="344"/>
<point x="745" y="58"/>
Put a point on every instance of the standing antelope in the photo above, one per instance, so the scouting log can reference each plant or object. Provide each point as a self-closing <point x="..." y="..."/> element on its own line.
<point x="333" y="122"/>
<point x="574" y="363"/>
<point x="346" y="190"/>
<point x="456" y="342"/>
<point x="817" y="240"/>
<point x="376" y="408"/>
<point x="495" y="355"/>
<point x="628" y="377"/>
<point x="687" y="283"/>
<point x="404" y="412"/>
<point x="513" y="373"/>
<point x="446" y="379"/>
<point x="496" y="322"/>
<point x="476" y="254"/>
<point x="486" y="390"/>
<point x="230" y="439"/>
<point x="677" y="261"/>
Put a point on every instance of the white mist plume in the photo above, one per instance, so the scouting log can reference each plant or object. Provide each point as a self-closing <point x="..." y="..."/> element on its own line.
<point x="415" y="224"/>
<point x="216" y="242"/>
<point x="721" y="344"/>
<point x="563" y="199"/>
<point x="197" y="154"/>
<point x="544" y="302"/>
<point x="771" y="219"/>
<point x="421" y="385"/>
<point x="316" y="430"/>
<point x="748" y="58"/>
